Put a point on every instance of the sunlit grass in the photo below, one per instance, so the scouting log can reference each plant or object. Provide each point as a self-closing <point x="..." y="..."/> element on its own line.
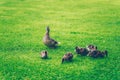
<point x="73" y="23"/>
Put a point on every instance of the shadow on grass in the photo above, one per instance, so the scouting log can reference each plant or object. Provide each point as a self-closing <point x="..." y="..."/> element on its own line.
<point x="53" y="48"/>
<point x="68" y="62"/>
<point x="79" y="58"/>
<point x="49" y="58"/>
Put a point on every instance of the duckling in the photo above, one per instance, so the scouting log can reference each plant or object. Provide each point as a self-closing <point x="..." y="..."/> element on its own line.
<point x="49" y="42"/>
<point x="67" y="57"/>
<point x="44" y="54"/>
<point x="81" y="51"/>
<point x="91" y="47"/>
<point x="97" y="53"/>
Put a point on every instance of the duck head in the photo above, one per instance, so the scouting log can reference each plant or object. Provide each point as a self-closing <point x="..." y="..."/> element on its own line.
<point x="47" y="29"/>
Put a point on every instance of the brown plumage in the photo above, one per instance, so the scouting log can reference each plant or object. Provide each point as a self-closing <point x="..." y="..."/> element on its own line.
<point x="44" y="54"/>
<point x="67" y="57"/>
<point x="91" y="47"/>
<point x="49" y="41"/>
<point x="97" y="53"/>
<point x="81" y="51"/>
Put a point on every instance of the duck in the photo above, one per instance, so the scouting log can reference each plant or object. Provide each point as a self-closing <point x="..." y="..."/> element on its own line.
<point x="47" y="40"/>
<point x="44" y="54"/>
<point x="67" y="57"/>
<point x="91" y="47"/>
<point x="82" y="51"/>
<point x="98" y="54"/>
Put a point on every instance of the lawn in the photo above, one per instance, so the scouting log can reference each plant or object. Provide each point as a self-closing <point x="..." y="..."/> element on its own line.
<point x="73" y="23"/>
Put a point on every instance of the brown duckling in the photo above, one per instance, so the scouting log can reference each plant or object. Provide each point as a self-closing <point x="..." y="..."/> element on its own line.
<point x="44" y="54"/>
<point x="97" y="53"/>
<point x="67" y="57"/>
<point x="81" y="51"/>
<point x="91" y="47"/>
<point x="49" y="41"/>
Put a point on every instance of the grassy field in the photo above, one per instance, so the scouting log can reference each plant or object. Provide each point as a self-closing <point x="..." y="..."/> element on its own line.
<point x="73" y="23"/>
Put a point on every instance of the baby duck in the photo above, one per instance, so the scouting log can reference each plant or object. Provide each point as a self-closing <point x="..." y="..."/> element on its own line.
<point x="67" y="57"/>
<point x="97" y="53"/>
<point x="91" y="47"/>
<point x="44" y="54"/>
<point x="81" y="51"/>
<point x="49" y="42"/>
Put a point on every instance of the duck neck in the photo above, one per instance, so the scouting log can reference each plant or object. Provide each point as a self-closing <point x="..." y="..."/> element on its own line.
<point x="47" y="34"/>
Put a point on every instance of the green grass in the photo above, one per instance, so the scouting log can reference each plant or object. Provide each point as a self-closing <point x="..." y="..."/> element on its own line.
<point x="73" y="23"/>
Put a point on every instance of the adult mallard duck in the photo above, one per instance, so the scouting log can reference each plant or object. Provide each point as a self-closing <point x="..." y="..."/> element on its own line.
<point x="49" y="41"/>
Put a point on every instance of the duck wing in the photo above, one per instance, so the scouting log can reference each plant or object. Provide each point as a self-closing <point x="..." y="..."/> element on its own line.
<point x="53" y="41"/>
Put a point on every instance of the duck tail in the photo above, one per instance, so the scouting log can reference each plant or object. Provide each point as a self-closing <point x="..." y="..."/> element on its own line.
<point x="58" y="42"/>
